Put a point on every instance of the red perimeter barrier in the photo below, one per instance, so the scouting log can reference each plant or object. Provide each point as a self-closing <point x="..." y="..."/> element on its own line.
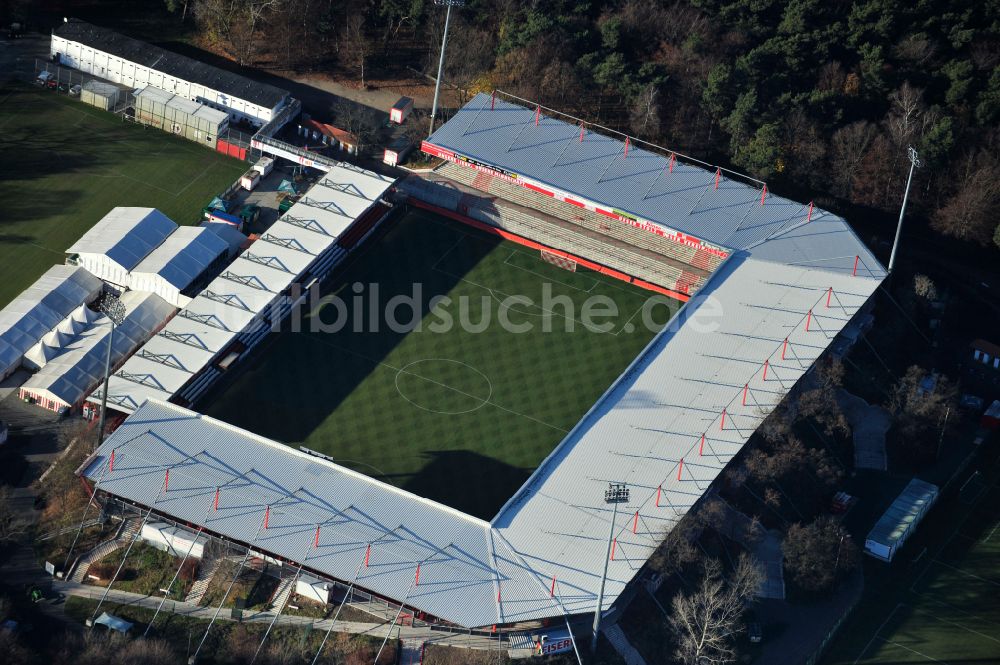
<point x="513" y="237"/>
<point x="231" y="149"/>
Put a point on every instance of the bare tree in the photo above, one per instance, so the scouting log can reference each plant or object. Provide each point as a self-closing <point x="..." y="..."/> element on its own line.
<point x="904" y="119"/>
<point x="968" y="214"/>
<point x="645" y="112"/>
<point x="706" y="621"/>
<point x="360" y="120"/>
<point x="356" y="43"/>
<point x="850" y="144"/>
<point x="920" y="403"/>
<point x="818" y="554"/>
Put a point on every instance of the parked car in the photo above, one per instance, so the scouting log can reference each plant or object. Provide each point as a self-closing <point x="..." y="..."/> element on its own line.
<point x="75" y="90"/>
<point x="755" y="632"/>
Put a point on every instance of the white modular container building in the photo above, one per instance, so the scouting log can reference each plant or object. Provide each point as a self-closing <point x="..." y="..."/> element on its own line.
<point x="177" y="262"/>
<point x="178" y="115"/>
<point x="100" y="94"/>
<point x="119" y="242"/>
<point x="40" y="309"/>
<point x="901" y="519"/>
<point x="310" y="588"/>
<point x="130" y="62"/>
<point x="76" y="366"/>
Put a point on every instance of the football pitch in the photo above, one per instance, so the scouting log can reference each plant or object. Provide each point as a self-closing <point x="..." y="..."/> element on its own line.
<point x="460" y="414"/>
<point x="66" y="164"/>
<point x="949" y="613"/>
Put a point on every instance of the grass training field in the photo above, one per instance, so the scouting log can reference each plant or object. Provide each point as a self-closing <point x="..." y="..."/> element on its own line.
<point x="66" y="164"/>
<point x="460" y="416"/>
<point x="948" y="612"/>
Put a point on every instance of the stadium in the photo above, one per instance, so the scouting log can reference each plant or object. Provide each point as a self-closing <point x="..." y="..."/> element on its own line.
<point x="756" y="289"/>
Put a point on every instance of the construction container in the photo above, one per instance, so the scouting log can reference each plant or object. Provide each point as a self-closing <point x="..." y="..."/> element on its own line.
<point x="264" y="166"/>
<point x="181" y="116"/>
<point x="401" y="110"/>
<point x="102" y="95"/>
<point x="397" y="151"/>
<point x="250" y="179"/>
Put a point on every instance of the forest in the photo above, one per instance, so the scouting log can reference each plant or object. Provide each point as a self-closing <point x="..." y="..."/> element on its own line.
<point x="820" y="98"/>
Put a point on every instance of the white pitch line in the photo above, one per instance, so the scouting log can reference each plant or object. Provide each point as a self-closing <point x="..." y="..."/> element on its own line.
<point x="875" y="635"/>
<point x="923" y="655"/>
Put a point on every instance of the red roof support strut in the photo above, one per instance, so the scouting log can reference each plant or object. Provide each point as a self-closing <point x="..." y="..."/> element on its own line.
<point x="552" y="590"/>
<point x="316" y="539"/>
<point x="718" y="174"/>
<point x="763" y="194"/>
<point x="809" y="215"/>
<point x="701" y="446"/>
<point x="829" y="294"/>
<point x="368" y="553"/>
<point x="614" y="546"/>
<point x="784" y="347"/>
<point x="215" y="502"/>
<point x="111" y="464"/>
<point x="766" y="364"/>
<point x="166" y="481"/>
<point x="267" y="516"/>
<point x="659" y="490"/>
<point x="746" y="387"/>
<point x="680" y="467"/>
<point x="538" y="114"/>
<point x="635" y="523"/>
<point x="809" y="318"/>
<point x="854" y="273"/>
<point x="673" y="160"/>
<point x="722" y="423"/>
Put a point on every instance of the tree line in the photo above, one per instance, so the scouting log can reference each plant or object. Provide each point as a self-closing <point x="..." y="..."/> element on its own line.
<point x="812" y="96"/>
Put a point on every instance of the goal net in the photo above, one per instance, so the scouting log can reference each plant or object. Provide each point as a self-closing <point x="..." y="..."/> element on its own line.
<point x="559" y="261"/>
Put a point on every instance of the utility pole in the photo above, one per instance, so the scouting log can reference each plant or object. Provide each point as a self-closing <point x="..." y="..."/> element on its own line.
<point x="111" y="307"/>
<point x="615" y="494"/>
<point x="444" y="43"/>
<point x="914" y="164"/>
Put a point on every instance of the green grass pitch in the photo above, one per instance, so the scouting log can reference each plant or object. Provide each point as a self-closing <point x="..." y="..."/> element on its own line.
<point x="66" y="164"/>
<point x="462" y="417"/>
<point x="949" y="613"/>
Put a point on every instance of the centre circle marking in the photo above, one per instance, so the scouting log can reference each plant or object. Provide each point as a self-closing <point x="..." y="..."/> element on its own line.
<point x="482" y="401"/>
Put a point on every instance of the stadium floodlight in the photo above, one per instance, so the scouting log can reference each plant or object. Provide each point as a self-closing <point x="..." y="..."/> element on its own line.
<point x="112" y="307"/>
<point x="914" y="164"/>
<point x="444" y="43"/>
<point x="615" y="494"/>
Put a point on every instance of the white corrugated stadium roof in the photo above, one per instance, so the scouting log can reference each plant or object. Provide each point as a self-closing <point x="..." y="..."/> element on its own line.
<point x="183" y="255"/>
<point x="125" y="235"/>
<point x="245" y="288"/>
<point x="40" y="308"/>
<point x="776" y="283"/>
<point x="78" y="364"/>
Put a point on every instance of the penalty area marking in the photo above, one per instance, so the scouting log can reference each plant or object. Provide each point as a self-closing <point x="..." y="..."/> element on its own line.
<point x="405" y="369"/>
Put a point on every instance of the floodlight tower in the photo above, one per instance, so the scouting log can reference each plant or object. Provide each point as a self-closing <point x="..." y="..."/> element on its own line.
<point x="914" y="164"/>
<point x="113" y="308"/>
<point x="444" y="43"/>
<point x="615" y="494"/>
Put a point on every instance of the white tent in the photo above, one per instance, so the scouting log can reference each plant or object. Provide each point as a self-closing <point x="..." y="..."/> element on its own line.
<point x="177" y="262"/>
<point x="67" y="377"/>
<point x="40" y="308"/>
<point x="120" y="241"/>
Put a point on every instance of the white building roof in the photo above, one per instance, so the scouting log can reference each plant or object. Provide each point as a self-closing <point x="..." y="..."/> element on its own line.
<point x="125" y="235"/>
<point x="667" y="427"/>
<point x="181" y="257"/>
<point x="40" y="308"/>
<point x="190" y="107"/>
<point x="77" y="365"/>
<point x="240" y="296"/>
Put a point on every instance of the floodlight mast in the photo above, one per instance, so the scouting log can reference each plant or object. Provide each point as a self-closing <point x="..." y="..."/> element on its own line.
<point x="109" y="305"/>
<point x="615" y="494"/>
<point x="444" y="43"/>
<point x="914" y="164"/>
